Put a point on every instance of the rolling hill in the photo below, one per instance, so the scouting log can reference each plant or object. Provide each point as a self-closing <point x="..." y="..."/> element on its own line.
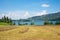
<point x="50" y="17"/>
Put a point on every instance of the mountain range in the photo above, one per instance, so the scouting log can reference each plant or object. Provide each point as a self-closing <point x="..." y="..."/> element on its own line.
<point x="47" y="17"/>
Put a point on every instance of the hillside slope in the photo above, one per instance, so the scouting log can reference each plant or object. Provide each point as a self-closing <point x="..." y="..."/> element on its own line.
<point x="53" y="16"/>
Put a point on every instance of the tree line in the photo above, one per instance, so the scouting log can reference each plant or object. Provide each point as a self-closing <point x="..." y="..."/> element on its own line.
<point x="6" y="20"/>
<point x="51" y="23"/>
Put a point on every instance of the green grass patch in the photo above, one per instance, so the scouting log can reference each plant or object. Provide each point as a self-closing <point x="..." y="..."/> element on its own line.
<point x="3" y="23"/>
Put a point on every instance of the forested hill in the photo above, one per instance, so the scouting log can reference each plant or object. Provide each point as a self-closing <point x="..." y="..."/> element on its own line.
<point x="52" y="16"/>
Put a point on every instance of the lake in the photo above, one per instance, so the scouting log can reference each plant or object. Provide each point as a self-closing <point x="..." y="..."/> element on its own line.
<point x="36" y="22"/>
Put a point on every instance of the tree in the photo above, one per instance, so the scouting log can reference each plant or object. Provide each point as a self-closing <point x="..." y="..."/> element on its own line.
<point x="26" y="23"/>
<point x="10" y="21"/>
<point x="45" y="23"/>
<point x="48" y="23"/>
<point x="57" y="23"/>
<point x="4" y="19"/>
<point x="14" y="23"/>
<point x="32" y="23"/>
<point x="51" y="23"/>
<point x="19" y="23"/>
<point x="7" y="20"/>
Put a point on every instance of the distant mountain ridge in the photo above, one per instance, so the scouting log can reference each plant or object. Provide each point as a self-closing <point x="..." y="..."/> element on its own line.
<point x="52" y="17"/>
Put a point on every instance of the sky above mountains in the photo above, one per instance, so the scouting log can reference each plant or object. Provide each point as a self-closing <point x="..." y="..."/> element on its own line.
<point x="19" y="9"/>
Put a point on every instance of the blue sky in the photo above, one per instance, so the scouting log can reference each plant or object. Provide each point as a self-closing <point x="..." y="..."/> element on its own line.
<point x="17" y="9"/>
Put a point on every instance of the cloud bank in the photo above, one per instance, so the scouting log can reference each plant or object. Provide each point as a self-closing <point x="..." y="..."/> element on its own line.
<point x="45" y="5"/>
<point x="21" y="14"/>
<point x="43" y="12"/>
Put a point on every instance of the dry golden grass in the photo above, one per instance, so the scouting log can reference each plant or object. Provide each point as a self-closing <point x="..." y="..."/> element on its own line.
<point x="46" y="32"/>
<point x="6" y="28"/>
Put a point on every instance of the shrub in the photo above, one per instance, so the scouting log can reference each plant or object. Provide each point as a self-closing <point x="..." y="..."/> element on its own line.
<point x="57" y="23"/>
<point x="32" y="23"/>
<point x="48" y="23"/>
<point x="14" y="23"/>
<point x="45" y="23"/>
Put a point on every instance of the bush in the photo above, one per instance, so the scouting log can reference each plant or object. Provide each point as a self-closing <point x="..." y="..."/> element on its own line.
<point x="19" y="24"/>
<point x="26" y="23"/>
<point x="32" y="23"/>
<point x="45" y="23"/>
<point x="14" y="23"/>
<point x="48" y="23"/>
<point x="57" y="23"/>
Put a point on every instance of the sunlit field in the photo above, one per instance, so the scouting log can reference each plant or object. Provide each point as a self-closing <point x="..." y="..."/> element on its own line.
<point x="46" y="32"/>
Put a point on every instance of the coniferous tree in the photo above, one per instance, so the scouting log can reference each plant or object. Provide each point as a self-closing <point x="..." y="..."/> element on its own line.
<point x="6" y="20"/>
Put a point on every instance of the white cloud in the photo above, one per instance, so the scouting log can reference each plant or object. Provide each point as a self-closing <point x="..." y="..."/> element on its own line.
<point x="43" y="12"/>
<point x="22" y="14"/>
<point x="15" y="14"/>
<point x="1" y="15"/>
<point x="45" y="5"/>
<point x="26" y="15"/>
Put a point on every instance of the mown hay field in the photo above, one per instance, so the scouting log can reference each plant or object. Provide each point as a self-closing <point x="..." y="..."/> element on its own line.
<point x="46" y="32"/>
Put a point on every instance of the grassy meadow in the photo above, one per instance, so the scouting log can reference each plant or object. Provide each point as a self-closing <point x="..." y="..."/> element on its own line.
<point x="46" y="32"/>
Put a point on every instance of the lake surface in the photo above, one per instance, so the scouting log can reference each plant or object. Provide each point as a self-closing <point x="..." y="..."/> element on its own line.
<point x="36" y="22"/>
